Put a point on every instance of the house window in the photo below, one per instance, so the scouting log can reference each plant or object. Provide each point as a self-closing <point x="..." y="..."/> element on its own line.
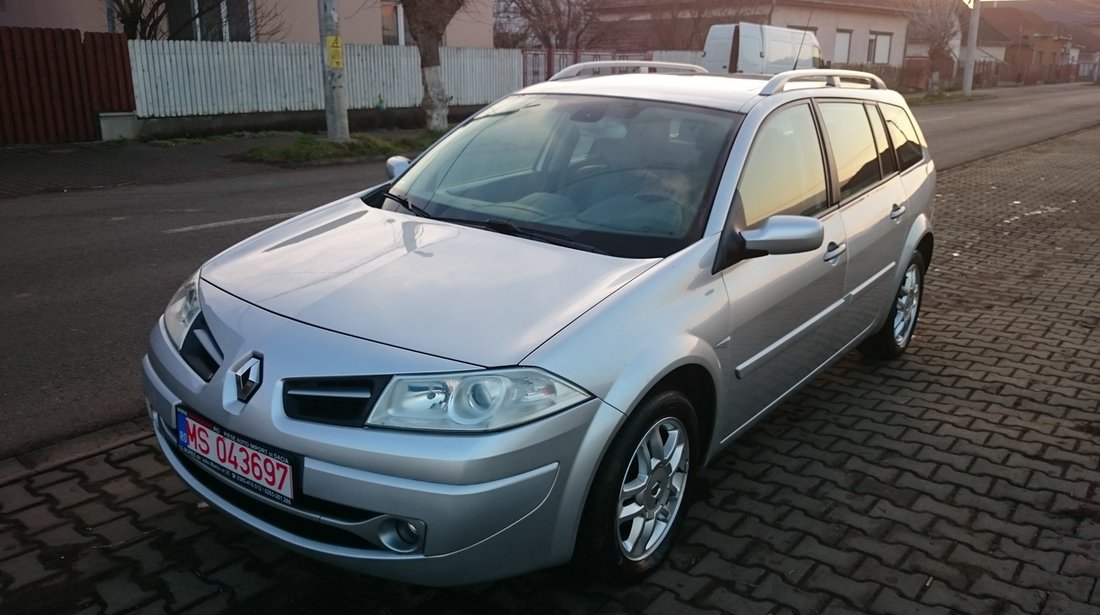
<point x="238" y="20"/>
<point x="878" y="48"/>
<point x="843" y="47"/>
<point x="395" y="28"/>
<point x="210" y="20"/>
<point x="811" y="29"/>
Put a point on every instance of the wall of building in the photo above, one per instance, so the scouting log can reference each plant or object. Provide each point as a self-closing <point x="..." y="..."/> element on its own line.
<point x="473" y="26"/>
<point x="991" y="52"/>
<point x="86" y="15"/>
<point x="361" y="23"/>
<point x="360" y="20"/>
<point x="828" y="21"/>
<point x="1043" y="51"/>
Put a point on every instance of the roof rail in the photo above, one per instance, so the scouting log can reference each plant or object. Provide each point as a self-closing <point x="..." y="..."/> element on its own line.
<point x="652" y="67"/>
<point x="832" y="77"/>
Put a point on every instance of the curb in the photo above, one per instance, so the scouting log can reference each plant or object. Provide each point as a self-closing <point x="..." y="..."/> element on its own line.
<point x="74" y="449"/>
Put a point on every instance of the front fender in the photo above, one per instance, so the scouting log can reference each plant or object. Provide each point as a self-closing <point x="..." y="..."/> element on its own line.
<point x="656" y="362"/>
<point x="673" y="315"/>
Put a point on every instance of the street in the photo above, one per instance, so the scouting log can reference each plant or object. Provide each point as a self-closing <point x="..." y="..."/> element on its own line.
<point x="1004" y="119"/>
<point x="961" y="478"/>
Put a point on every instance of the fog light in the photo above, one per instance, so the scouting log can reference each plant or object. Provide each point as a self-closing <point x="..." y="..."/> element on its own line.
<point x="408" y="532"/>
<point x="402" y="535"/>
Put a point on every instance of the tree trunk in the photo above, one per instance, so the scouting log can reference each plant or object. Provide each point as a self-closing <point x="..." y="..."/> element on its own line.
<point x="428" y="20"/>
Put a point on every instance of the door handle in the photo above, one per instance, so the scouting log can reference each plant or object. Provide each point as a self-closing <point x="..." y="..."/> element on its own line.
<point x="834" y="250"/>
<point x="897" y="211"/>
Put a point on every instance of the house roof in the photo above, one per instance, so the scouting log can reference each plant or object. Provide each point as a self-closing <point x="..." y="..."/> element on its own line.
<point x="987" y="34"/>
<point x="1017" y="24"/>
<point x="876" y="6"/>
<point x="1082" y="36"/>
<point x="1084" y="12"/>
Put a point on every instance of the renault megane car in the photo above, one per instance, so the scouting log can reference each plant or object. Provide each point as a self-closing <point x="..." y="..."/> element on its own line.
<point x="523" y="348"/>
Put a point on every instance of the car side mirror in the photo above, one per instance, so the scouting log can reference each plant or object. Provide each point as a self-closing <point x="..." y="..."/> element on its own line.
<point x="785" y="235"/>
<point x="396" y="165"/>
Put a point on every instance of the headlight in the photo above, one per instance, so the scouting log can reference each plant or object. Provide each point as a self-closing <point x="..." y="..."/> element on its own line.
<point x="182" y="310"/>
<point x="473" y="401"/>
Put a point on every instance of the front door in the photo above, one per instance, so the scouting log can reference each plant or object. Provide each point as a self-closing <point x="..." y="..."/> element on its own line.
<point x="784" y="307"/>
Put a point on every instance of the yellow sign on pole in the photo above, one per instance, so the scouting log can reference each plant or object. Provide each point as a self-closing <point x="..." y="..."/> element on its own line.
<point x="334" y="51"/>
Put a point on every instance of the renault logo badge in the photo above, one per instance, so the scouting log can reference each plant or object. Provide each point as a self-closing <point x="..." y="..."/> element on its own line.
<point x="248" y="377"/>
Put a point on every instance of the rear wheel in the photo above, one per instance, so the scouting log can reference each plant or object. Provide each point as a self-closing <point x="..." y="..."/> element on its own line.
<point x="893" y="338"/>
<point x="639" y="496"/>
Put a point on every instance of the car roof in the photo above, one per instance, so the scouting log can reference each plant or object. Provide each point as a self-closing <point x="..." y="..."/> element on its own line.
<point x="729" y="93"/>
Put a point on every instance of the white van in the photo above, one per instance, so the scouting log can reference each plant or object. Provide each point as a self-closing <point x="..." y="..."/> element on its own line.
<point x="757" y="49"/>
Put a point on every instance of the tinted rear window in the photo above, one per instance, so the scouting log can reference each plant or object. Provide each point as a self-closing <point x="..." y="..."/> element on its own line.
<point x="904" y="135"/>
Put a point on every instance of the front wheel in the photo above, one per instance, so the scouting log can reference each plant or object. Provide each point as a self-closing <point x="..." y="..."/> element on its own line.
<point x="639" y="497"/>
<point x="893" y="338"/>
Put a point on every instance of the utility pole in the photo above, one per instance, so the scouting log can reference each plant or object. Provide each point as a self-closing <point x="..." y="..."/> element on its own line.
<point x="336" y="92"/>
<point x="972" y="47"/>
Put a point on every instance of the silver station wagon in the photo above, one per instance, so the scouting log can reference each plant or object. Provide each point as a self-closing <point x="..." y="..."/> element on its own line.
<point x="522" y="350"/>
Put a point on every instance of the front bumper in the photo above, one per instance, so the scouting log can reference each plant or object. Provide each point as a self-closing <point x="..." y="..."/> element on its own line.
<point x="491" y="505"/>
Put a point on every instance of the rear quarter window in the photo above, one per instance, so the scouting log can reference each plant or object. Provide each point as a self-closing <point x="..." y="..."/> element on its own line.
<point x="903" y="135"/>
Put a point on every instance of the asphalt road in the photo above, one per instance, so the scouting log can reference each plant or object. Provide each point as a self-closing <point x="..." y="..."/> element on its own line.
<point x="1005" y="119"/>
<point x="85" y="274"/>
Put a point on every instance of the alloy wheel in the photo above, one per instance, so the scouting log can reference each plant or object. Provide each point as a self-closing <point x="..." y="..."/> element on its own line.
<point x="906" y="305"/>
<point x="653" y="489"/>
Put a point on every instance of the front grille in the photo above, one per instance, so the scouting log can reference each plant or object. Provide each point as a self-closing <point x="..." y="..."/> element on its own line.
<point x="200" y="351"/>
<point x="334" y="401"/>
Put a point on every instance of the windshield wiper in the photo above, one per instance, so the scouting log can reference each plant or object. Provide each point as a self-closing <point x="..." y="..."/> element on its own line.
<point x="407" y="204"/>
<point x="510" y="228"/>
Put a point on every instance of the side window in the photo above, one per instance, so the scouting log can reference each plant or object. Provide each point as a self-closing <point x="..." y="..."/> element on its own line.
<point x="784" y="173"/>
<point x="885" y="152"/>
<point x="904" y="136"/>
<point x="853" y="146"/>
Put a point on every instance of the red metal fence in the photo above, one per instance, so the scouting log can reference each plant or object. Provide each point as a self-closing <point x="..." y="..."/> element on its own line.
<point x="54" y="82"/>
<point x="991" y="74"/>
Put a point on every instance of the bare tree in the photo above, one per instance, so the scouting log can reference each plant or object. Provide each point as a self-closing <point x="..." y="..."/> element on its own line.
<point x="509" y="29"/>
<point x="161" y="19"/>
<point x="552" y="24"/>
<point x="683" y="24"/>
<point x="935" y="22"/>
<point x="428" y="21"/>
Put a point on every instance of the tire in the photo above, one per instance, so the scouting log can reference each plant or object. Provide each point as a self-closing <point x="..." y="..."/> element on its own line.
<point x="638" y="500"/>
<point x="893" y="338"/>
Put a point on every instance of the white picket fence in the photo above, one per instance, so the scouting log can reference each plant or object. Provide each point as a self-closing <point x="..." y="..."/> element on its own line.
<point x="183" y="78"/>
<point x="684" y="57"/>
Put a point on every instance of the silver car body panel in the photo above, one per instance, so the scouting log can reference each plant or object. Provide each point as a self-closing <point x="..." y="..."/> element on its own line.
<point x="477" y="494"/>
<point x="458" y="299"/>
<point x="348" y="290"/>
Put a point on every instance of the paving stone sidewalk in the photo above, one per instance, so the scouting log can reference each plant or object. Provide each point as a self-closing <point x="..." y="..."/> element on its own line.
<point x="960" y="478"/>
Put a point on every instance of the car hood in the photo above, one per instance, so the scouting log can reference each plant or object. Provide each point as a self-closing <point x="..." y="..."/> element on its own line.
<point x="452" y="291"/>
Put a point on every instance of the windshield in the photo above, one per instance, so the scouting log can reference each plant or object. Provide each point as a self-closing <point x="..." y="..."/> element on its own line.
<point x="625" y="177"/>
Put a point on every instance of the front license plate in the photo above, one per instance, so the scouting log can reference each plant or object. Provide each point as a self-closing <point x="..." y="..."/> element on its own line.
<point x="257" y="467"/>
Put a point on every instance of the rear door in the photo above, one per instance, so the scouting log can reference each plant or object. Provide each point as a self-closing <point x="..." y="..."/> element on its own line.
<point x="872" y="203"/>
